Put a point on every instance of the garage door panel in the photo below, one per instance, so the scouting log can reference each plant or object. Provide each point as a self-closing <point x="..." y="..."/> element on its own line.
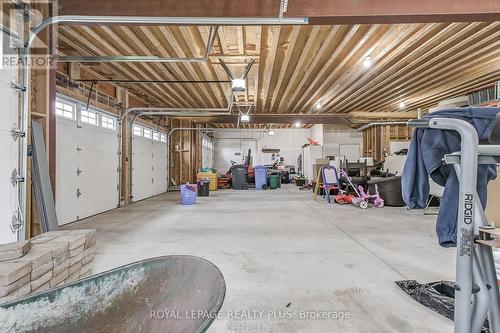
<point x="8" y="151"/>
<point x="149" y="162"/>
<point x="8" y="115"/>
<point x="97" y="200"/>
<point x="160" y="168"/>
<point x="7" y="209"/>
<point x="142" y="186"/>
<point x="97" y="159"/>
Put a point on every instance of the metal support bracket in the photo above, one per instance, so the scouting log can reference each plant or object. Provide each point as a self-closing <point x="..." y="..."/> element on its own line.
<point x="16" y="222"/>
<point x="15" y="178"/>
<point x="17" y="133"/>
<point x="16" y="86"/>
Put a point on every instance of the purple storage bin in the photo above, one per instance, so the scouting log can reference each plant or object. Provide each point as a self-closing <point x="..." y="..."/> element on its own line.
<point x="260" y="177"/>
<point x="188" y="194"/>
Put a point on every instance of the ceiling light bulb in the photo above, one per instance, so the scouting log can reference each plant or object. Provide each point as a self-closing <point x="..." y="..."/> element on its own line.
<point x="367" y="62"/>
<point x="318" y="105"/>
<point x="298" y="124"/>
<point x="245" y="118"/>
<point x="402" y="105"/>
<point x="271" y="132"/>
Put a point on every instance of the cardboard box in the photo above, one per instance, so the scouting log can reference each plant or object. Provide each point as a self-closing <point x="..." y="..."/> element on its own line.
<point x="324" y="161"/>
<point x="492" y="208"/>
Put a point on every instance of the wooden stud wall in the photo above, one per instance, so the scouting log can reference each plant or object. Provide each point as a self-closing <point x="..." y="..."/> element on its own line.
<point x="185" y="152"/>
<point x="376" y="139"/>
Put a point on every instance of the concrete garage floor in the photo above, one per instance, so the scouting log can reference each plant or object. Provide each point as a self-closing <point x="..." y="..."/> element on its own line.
<point x="278" y="247"/>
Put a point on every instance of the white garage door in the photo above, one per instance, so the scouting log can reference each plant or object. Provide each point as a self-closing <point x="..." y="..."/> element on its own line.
<point x="9" y="153"/>
<point x="149" y="163"/>
<point x="87" y="161"/>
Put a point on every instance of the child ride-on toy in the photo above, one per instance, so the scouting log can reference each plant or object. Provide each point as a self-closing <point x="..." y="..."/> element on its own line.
<point x="365" y="198"/>
<point x="343" y="198"/>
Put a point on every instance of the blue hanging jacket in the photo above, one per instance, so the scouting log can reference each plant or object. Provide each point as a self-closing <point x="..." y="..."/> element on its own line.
<point x="425" y="157"/>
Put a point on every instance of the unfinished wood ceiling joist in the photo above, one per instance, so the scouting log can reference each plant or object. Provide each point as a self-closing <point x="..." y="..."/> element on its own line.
<point x="298" y="66"/>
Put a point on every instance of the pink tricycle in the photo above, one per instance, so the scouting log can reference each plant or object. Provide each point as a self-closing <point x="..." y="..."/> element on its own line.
<point x="366" y="198"/>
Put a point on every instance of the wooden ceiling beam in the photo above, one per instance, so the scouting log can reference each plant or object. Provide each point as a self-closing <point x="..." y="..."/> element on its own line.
<point x="384" y="55"/>
<point x="130" y="43"/>
<point x="298" y="35"/>
<point x="325" y="79"/>
<point x="175" y="36"/>
<point x="400" y="73"/>
<point x="308" y="53"/>
<point x="170" y="71"/>
<point x="286" y="39"/>
<point x="69" y="35"/>
<point x="333" y="47"/>
<point x="459" y="65"/>
<point x="266" y="73"/>
<point x="383" y="115"/>
<point x="298" y="65"/>
<point x="318" y="11"/>
<point x="265" y="118"/>
<point x="195" y="44"/>
<point x="457" y="86"/>
<point x="181" y="70"/>
<point x="104" y="37"/>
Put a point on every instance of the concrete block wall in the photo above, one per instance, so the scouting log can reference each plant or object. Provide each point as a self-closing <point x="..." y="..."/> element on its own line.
<point x="46" y="261"/>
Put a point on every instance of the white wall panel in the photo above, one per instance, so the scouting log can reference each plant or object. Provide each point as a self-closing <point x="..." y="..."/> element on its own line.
<point x="289" y="141"/>
<point x="149" y="168"/>
<point x="92" y="150"/>
<point x="335" y="136"/>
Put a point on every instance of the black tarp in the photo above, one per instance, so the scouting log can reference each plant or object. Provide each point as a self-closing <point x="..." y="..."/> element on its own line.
<point x="438" y="296"/>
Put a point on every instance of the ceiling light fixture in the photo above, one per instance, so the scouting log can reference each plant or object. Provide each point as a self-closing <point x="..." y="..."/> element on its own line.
<point x="318" y="105"/>
<point x="245" y="118"/>
<point x="271" y="133"/>
<point x="402" y="105"/>
<point x="298" y="124"/>
<point x="367" y="62"/>
<point x="238" y="85"/>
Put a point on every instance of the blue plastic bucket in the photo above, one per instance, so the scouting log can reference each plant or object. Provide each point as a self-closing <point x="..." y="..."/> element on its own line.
<point x="188" y="194"/>
<point x="260" y="177"/>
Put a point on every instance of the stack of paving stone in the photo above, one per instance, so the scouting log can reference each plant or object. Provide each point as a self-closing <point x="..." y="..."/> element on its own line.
<point x="46" y="261"/>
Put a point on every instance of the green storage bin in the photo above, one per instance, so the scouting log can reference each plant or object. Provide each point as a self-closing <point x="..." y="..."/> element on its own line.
<point x="274" y="181"/>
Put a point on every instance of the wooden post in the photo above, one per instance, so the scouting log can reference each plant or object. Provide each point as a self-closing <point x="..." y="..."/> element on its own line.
<point x="123" y="98"/>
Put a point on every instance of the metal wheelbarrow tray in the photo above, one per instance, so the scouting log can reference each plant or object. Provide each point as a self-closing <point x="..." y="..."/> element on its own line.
<point x="175" y="294"/>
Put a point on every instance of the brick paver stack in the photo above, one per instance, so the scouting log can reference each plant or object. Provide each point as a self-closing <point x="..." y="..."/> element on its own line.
<point x="46" y="261"/>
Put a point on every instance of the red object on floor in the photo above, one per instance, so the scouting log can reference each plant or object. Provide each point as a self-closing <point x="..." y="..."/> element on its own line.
<point x="342" y="199"/>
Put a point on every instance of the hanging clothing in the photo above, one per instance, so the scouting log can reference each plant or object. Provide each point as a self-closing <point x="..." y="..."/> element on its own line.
<point x="425" y="158"/>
